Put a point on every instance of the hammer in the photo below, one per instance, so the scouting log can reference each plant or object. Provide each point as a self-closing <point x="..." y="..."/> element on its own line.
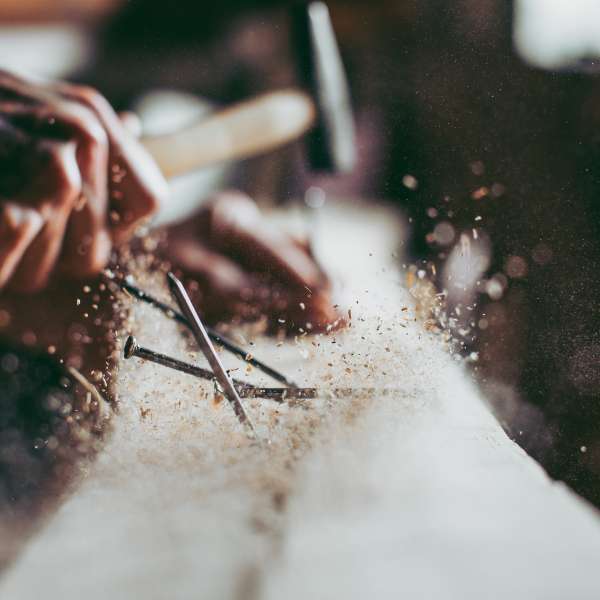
<point x="269" y="121"/>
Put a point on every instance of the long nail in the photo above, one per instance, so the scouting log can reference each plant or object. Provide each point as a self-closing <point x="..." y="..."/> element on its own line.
<point x="245" y="390"/>
<point x="132" y="349"/>
<point x="205" y="345"/>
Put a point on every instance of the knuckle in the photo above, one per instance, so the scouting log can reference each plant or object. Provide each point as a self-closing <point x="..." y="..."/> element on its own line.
<point x="10" y="218"/>
<point x="218" y="206"/>
<point x="88" y="128"/>
<point x="64" y="174"/>
<point x="18" y="222"/>
<point x="87" y="94"/>
<point x="91" y="98"/>
<point x="233" y="209"/>
<point x="93" y="134"/>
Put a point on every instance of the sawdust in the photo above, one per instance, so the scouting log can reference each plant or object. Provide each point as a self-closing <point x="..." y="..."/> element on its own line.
<point x="178" y="471"/>
<point x="174" y="424"/>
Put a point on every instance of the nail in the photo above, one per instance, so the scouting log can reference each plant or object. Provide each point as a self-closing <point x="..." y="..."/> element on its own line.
<point x="205" y="345"/>
<point x="216" y="337"/>
<point x="245" y="390"/>
<point x="132" y="349"/>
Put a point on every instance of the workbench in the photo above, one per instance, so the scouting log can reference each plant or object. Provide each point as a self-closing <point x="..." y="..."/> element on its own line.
<point x="416" y="492"/>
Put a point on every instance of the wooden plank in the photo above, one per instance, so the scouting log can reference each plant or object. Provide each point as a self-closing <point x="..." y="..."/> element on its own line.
<point x="415" y="494"/>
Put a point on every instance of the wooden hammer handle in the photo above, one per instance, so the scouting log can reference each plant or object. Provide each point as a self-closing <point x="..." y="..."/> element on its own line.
<point x="241" y="131"/>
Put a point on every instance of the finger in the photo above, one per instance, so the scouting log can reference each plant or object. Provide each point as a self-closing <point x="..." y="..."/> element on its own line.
<point x="18" y="227"/>
<point x="131" y="122"/>
<point x="234" y="226"/>
<point x="222" y="287"/>
<point x="63" y="186"/>
<point x="14" y="88"/>
<point x="87" y="242"/>
<point x="193" y="257"/>
<point x="224" y="290"/>
<point x="137" y="187"/>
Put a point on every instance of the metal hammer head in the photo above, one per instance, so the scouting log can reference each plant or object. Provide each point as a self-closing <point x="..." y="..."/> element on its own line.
<point x="331" y="143"/>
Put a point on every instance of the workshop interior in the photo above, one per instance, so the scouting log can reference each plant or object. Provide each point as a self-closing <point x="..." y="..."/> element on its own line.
<point x="299" y="299"/>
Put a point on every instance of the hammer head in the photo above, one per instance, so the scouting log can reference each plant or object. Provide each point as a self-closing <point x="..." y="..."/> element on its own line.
<point x="331" y="144"/>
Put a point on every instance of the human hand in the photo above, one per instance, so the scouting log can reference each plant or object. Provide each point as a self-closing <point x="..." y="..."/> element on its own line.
<point x="73" y="182"/>
<point x="242" y="266"/>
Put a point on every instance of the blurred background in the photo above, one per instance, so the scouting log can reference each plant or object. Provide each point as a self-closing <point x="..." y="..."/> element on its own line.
<point x="479" y="119"/>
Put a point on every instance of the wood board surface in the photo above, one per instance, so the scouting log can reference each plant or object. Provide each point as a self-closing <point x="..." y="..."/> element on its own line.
<point x="415" y="492"/>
